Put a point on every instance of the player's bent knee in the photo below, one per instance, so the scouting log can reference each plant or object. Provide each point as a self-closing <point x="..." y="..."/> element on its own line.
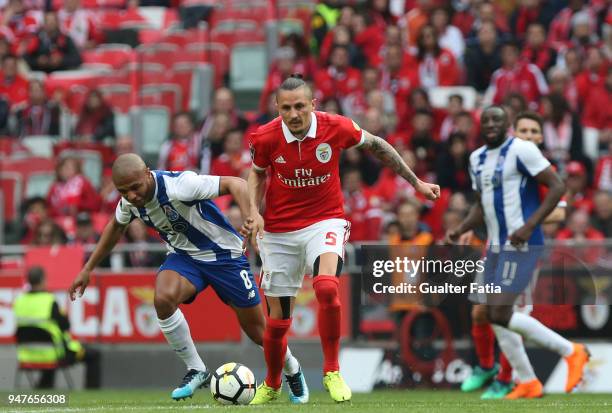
<point x="326" y="289"/>
<point x="165" y="305"/>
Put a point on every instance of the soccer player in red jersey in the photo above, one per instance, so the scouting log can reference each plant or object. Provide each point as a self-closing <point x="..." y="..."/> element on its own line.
<point x="303" y="229"/>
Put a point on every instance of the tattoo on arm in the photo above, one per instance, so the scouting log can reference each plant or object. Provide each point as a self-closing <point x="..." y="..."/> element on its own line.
<point x="389" y="157"/>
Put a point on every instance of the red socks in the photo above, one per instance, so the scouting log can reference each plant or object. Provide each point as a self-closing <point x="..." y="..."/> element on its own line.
<point x="505" y="369"/>
<point x="275" y="347"/>
<point x="326" y="290"/>
<point x="484" y="343"/>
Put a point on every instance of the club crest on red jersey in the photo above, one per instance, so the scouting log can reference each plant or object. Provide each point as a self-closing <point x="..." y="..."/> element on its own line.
<point x="323" y="152"/>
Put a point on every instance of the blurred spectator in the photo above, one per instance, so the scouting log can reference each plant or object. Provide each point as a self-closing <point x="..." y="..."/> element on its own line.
<point x="124" y="144"/>
<point x="561" y="27"/>
<point x="355" y="104"/>
<point x="593" y="76"/>
<point x="283" y="67"/>
<point x="483" y="58"/>
<point x="35" y="211"/>
<point x="48" y="234"/>
<point x="488" y="12"/>
<point x="602" y="213"/>
<point x="304" y="63"/>
<point x="96" y="120"/>
<point x="468" y="126"/>
<point x="331" y="105"/>
<point x="50" y="49"/>
<point x="40" y="116"/>
<point x="422" y="141"/>
<point x="234" y="161"/>
<point x="71" y="192"/>
<point x="450" y="37"/>
<point x="368" y="38"/>
<point x="528" y="12"/>
<point x="384" y="104"/>
<point x="354" y="158"/>
<point x="572" y="60"/>
<point x="454" y="108"/>
<point x="579" y="195"/>
<point x="380" y="13"/>
<point x="13" y="85"/>
<point x="452" y="164"/>
<point x="579" y="228"/>
<point x="514" y="103"/>
<point x="79" y="24"/>
<point x="138" y="236"/>
<point x="223" y="103"/>
<point x="411" y="229"/>
<point x="436" y="66"/>
<point x="603" y="170"/>
<point x="20" y="25"/>
<point x="360" y="207"/>
<point x="583" y="36"/>
<point x="516" y="76"/>
<point x="397" y="78"/>
<point x="85" y="232"/>
<point x="536" y="51"/>
<point x="338" y="79"/>
<point x="562" y="83"/>
<point x="413" y="21"/>
<point x="597" y="99"/>
<point x="181" y="151"/>
<point x="562" y="130"/>
<point x="108" y="193"/>
<point x="340" y="36"/>
<point x="393" y="37"/>
<point x="418" y="101"/>
<point x="214" y="131"/>
<point x="324" y="18"/>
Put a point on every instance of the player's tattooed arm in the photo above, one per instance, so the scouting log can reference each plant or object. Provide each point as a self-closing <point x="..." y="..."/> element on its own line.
<point x="389" y="157"/>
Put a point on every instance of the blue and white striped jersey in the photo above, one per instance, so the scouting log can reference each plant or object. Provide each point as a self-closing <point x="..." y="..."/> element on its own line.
<point x="505" y="179"/>
<point x="184" y="216"/>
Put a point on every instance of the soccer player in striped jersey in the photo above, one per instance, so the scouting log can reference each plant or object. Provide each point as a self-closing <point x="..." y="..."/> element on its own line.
<point x="506" y="172"/>
<point x="203" y="249"/>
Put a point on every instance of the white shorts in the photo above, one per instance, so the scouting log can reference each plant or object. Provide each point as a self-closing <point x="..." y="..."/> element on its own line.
<point x="287" y="256"/>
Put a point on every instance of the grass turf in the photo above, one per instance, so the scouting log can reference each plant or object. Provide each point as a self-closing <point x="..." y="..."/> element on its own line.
<point x="388" y="401"/>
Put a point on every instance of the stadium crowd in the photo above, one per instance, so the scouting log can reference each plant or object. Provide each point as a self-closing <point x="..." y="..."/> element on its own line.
<point x="375" y="61"/>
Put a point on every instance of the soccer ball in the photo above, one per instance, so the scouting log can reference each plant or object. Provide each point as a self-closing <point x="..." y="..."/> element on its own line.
<point x="233" y="383"/>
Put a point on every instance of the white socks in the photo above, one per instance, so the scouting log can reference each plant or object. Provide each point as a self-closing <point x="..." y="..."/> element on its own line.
<point x="176" y="331"/>
<point x="512" y="345"/>
<point x="531" y="329"/>
<point x="292" y="365"/>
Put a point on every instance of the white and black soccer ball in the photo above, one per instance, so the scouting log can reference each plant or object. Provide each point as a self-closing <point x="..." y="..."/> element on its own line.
<point x="233" y="383"/>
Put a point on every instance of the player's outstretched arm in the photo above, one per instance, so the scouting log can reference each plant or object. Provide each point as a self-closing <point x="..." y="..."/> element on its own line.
<point x="389" y="157"/>
<point x="474" y="218"/>
<point x="556" y="188"/>
<point x="253" y="225"/>
<point x="237" y="187"/>
<point x="110" y="236"/>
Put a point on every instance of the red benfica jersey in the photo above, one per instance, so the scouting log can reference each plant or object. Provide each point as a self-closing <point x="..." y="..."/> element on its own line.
<point x="304" y="177"/>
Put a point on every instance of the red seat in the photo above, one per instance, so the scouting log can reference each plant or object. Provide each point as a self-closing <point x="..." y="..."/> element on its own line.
<point x="115" y="55"/>
<point x="167" y="95"/>
<point x="160" y="53"/>
<point x="215" y="53"/>
<point x="149" y="36"/>
<point x="11" y="186"/>
<point x="118" y="96"/>
<point x="75" y="98"/>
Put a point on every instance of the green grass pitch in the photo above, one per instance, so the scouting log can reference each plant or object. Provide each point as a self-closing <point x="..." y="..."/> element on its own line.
<point x="388" y="401"/>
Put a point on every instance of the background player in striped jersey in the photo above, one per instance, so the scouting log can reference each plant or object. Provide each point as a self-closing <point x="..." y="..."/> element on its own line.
<point x="204" y="249"/>
<point x="527" y="126"/>
<point x="303" y="229"/>
<point x="506" y="172"/>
